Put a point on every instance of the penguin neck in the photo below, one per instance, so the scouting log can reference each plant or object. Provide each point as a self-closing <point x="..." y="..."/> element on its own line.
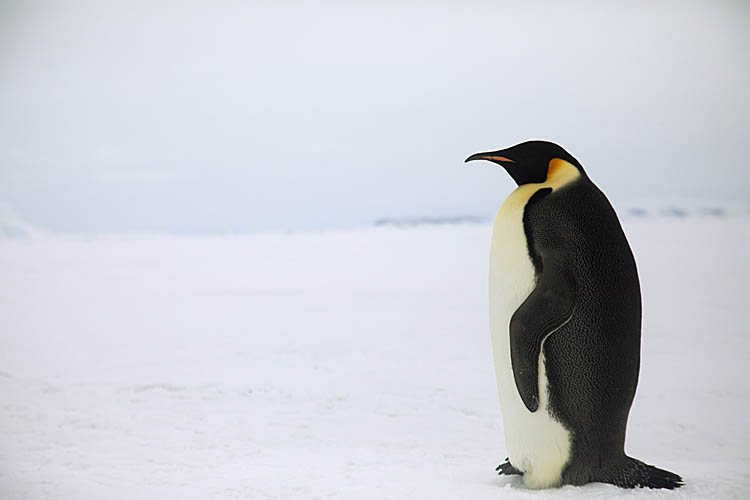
<point x="560" y="173"/>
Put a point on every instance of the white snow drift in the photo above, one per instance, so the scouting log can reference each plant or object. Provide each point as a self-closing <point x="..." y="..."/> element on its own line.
<point x="346" y="365"/>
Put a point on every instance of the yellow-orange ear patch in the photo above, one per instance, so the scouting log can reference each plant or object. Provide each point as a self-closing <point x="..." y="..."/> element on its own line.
<point x="560" y="172"/>
<point x="554" y="168"/>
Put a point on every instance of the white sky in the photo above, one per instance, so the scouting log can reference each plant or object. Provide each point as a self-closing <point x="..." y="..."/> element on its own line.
<point x="228" y="117"/>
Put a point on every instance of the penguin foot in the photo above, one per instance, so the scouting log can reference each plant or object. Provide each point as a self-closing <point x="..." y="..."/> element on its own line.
<point x="508" y="469"/>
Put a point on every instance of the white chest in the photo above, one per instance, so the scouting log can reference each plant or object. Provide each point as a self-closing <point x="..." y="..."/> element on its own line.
<point x="536" y="443"/>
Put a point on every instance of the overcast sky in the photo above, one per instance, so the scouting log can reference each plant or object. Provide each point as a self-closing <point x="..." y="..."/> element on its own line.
<point x="241" y="116"/>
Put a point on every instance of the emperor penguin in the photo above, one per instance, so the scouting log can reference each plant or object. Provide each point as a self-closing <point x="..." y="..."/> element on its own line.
<point x="565" y="320"/>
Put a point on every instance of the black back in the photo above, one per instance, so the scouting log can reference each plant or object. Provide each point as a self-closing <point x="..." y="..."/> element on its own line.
<point x="592" y="360"/>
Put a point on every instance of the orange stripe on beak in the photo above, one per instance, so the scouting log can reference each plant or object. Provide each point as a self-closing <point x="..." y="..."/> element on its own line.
<point x="498" y="158"/>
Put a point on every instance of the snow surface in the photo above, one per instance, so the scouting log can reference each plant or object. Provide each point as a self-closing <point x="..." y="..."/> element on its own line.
<point x="351" y="365"/>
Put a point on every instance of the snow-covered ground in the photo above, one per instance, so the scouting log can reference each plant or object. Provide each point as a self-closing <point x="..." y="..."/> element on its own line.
<point x="349" y="364"/>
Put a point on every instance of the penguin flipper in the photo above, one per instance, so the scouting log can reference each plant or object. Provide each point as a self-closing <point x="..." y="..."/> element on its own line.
<point x="549" y="307"/>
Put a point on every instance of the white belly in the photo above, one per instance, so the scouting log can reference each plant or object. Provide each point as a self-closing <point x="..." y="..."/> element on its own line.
<point x="536" y="443"/>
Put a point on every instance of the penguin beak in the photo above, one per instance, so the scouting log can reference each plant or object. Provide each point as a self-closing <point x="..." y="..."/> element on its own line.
<point x="493" y="156"/>
<point x="501" y="159"/>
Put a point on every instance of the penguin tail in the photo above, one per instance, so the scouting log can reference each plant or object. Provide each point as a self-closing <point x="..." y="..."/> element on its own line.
<point x="632" y="473"/>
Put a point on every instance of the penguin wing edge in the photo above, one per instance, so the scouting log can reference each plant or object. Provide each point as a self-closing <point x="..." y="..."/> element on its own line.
<point x="549" y="307"/>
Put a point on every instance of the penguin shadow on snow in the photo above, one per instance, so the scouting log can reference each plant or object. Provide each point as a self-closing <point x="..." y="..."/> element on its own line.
<point x="592" y="491"/>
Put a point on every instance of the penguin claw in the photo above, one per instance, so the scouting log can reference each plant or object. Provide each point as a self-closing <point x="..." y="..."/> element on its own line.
<point x="506" y="468"/>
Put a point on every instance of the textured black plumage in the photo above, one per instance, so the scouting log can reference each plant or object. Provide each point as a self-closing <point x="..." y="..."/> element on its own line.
<point x="592" y="361"/>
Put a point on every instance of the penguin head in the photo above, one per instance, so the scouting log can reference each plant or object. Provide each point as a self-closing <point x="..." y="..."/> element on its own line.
<point x="528" y="162"/>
